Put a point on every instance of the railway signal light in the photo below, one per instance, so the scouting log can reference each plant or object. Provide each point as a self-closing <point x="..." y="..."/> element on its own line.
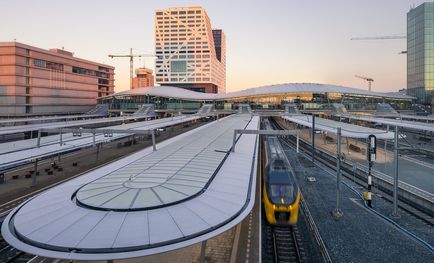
<point x="372" y="152"/>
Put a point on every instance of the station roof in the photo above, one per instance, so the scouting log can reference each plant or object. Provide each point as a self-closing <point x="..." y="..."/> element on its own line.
<point x="428" y="118"/>
<point x="347" y="130"/>
<point x="47" y="118"/>
<point x="295" y="88"/>
<point x="53" y="225"/>
<point x="64" y="124"/>
<point x="19" y="152"/>
<point x="166" y="176"/>
<point x="415" y="125"/>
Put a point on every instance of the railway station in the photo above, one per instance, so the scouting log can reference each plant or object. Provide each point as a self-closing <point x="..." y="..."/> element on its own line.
<point x="281" y="173"/>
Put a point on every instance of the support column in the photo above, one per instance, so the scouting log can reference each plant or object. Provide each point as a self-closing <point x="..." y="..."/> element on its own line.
<point x="61" y="137"/>
<point x="154" y="147"/>
<point x="395" y="174"/>
<point x="313" y="137"/>
<point x="35" y="170"/>
<point x="202" y="251"/>
<point x="385" y="150"/>
<point x="337" y="213"/>
<point x="97" y="152"/>
<point x="234" y="139"/>
<point x="298" y="143"/>
<point x="38" y="142"/>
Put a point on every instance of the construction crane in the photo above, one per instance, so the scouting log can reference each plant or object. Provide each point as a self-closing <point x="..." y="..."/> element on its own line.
<point x="131" y="56"/>
<point x="382" y="38"/>
<point x="368" y="79"/>
<point x="378" y="38"/>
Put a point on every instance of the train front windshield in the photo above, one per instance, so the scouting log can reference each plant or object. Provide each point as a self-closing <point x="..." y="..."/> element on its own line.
<point x="283" y="194"/>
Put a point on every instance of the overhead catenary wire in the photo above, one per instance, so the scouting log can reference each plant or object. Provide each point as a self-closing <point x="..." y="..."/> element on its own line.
<point x="394" y="223"/>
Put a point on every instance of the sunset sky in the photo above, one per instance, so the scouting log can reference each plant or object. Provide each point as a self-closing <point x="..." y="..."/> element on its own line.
<point x="268" y="42"/>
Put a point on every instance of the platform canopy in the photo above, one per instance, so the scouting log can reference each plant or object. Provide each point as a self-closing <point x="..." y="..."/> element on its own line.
<point x="347" y="130"/>
<point x="9" y="121"/>
<point x="20" y="152"/>
<point x="396" y="122"/>
<point x="64" y="124"/>
<point x="182" y="194"/>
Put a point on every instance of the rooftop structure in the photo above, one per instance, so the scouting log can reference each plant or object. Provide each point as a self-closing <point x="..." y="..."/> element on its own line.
<point x="420" y="52"/>
<point x="144" y="78"/>
<point x="38" y="81"/>
<point x="190" y="54"/>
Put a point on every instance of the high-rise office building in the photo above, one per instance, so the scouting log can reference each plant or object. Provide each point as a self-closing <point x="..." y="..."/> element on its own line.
<point x="190" y="54"/>
<point x="420" y="53"/>
<point x="40" y="81"/>
<point x="144" y="78"/>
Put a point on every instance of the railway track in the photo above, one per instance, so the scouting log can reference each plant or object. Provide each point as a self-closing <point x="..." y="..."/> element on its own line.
<point x="11" y="254"/>
<point x="286" y="242"/>
<point x="283" y="244"/>
<point x="359" y="176"/>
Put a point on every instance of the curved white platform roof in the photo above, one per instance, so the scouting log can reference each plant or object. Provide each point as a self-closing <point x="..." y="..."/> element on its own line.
<point x="347" y="130"/>
<point x="19" y="152"/>
<point x="53" y="224"/>
<point x="415" y="125"/>
<point x="288" y="88"/>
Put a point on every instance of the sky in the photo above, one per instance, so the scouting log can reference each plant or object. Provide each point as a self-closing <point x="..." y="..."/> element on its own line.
<point x="268" y="42"/>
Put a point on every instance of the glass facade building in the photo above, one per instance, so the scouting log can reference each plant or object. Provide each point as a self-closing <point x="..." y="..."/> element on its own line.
<point x="420" y="53"/>
<point x="275" y="97"/>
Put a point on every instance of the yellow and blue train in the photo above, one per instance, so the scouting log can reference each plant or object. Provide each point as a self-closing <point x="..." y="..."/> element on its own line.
<point x="280" y="191"/>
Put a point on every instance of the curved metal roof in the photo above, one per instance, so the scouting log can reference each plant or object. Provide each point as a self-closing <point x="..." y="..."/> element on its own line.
<point x="288" y="88"/>
<point x="53" y="224"/>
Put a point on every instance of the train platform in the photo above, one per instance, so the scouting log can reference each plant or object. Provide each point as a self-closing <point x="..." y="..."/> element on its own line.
<point x="413" y="172"/>
<point x="17" y="153"/>
<point x="45" y="119"/>
<point x="190" y="189"/>
<point x="68" y="123"/>
<point x="360" y="235"/>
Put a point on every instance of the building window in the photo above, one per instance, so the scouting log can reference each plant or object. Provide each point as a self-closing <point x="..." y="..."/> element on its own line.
<point x="103" y="81"/>
<point x="90" y="72"/>
<point x="178" y="66"/>
<point x="46" y="64"/>
<point x="39" y="63"/>
<point x="27" y="52"/>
